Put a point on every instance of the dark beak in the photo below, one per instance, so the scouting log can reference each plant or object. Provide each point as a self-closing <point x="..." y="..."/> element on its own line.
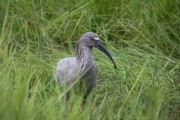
<point x="104" y="50"/>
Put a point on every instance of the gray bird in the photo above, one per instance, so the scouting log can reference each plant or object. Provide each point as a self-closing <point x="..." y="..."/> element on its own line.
<point x="82" y="66"/>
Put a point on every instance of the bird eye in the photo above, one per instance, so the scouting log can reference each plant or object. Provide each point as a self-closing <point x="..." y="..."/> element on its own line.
<point x="91" y="38"/>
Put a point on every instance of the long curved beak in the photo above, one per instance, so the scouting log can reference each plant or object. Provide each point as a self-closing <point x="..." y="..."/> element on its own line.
<point x="105" y="51"/>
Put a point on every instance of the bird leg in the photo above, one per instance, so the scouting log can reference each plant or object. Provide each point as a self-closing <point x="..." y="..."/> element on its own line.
<point x="88" y="91"/>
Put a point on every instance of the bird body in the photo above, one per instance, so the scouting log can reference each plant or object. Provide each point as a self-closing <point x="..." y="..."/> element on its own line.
<point x="70" y="69"/>
<point x="83" y="65"/>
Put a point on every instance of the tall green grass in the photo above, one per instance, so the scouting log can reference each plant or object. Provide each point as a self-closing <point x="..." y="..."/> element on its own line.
<point x="143" y="37"/>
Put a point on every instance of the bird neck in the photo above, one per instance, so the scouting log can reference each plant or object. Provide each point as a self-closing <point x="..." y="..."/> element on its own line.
<point x="84" y="56"/>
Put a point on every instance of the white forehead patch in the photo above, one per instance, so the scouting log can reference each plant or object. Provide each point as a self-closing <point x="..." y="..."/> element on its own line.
<point x="96" y="38"/>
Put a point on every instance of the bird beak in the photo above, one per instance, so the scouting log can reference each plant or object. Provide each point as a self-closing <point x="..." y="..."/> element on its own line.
<point x="105" y="51"/>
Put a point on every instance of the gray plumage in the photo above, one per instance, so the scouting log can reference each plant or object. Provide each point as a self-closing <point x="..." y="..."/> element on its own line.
<point x="83" y="65"/>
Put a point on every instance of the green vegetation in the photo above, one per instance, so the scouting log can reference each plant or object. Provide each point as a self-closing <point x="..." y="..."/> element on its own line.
<point x="142" y="36"/>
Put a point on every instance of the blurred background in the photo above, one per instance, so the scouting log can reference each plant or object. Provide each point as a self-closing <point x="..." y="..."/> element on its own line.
<point x="142" y="36"/>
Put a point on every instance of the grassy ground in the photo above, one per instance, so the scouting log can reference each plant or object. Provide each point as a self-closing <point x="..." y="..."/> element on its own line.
<point x="143" y="37"/>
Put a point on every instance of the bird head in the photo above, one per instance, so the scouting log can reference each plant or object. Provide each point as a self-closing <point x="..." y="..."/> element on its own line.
<point x="91" y="40"/>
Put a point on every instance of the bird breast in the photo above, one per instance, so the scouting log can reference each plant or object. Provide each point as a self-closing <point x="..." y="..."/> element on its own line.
<point x="89" y="76"/>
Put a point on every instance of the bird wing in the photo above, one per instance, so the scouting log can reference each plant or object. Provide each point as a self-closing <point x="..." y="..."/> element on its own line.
<point x="66" y="70"/>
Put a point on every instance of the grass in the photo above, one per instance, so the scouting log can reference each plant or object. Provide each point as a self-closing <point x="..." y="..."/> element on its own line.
<point x="142" y="36"/>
